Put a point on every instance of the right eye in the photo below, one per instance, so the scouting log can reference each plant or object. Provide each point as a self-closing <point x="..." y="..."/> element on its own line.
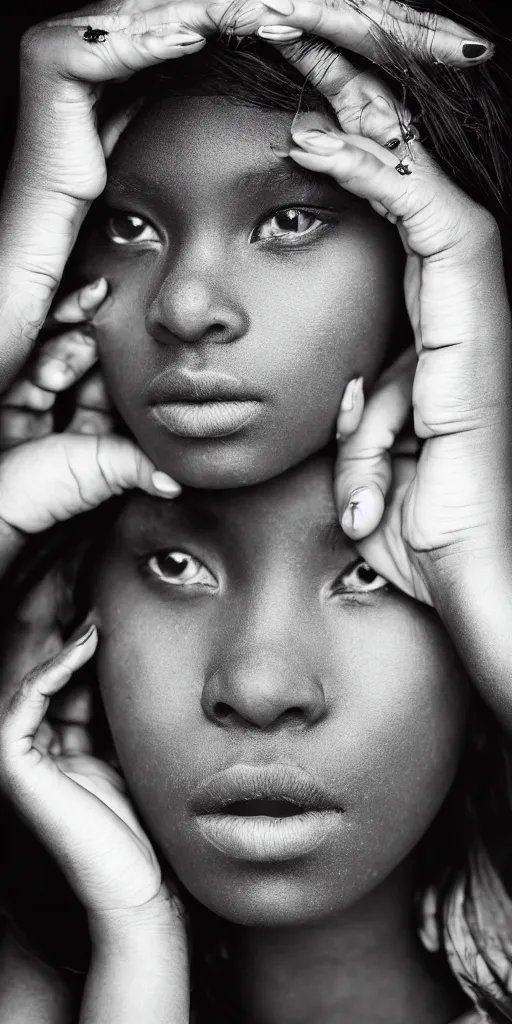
<point x="129" y="228"/>
<point x="179" y="569"/>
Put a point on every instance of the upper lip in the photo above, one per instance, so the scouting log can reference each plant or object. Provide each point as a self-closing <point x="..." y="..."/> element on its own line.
<point x="204" y="386"/>
<point x="265" y="782"/>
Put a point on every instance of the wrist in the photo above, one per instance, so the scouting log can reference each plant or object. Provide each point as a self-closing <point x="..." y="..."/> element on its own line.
<point x="154" y="926"/>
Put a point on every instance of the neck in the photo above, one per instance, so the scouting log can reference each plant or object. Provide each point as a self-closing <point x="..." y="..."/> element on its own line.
<point x="364" y="965"/>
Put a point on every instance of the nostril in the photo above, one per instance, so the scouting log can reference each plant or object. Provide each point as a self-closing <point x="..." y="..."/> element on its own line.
<point x="222" y="710"/>
<point x="292" y="716"/>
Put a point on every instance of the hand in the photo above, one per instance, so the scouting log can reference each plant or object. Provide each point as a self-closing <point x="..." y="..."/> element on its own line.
<point x="76" y="805"/>
<point x="63" y="362"/>
<point x="455" y="500"/>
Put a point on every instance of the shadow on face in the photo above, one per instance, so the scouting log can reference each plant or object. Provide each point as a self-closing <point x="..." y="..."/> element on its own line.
<point x="244" y="292"/>
<point x="288" y="724"/>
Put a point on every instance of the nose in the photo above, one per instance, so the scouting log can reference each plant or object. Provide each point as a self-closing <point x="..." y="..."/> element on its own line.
<point x="194" y="304"/>
<point x="263" y="689"/>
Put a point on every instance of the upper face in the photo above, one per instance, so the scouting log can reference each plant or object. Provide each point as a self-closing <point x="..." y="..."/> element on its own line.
<point x="248" y="658"/>
<point x="244" y="292"/>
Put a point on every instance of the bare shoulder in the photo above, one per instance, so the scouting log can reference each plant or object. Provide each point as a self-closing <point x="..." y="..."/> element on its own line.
<point x="31" y="992"/>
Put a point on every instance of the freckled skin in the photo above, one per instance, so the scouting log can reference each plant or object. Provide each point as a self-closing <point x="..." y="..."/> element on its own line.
<point x="361" y="690"/>
<point x="294" y="322"/>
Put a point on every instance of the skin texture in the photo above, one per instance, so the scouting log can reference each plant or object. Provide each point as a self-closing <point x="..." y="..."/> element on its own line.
<point x="273" y="658"/>
<point x="293" y="320"/>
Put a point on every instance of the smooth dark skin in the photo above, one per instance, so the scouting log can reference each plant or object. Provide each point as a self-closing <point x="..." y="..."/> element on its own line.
<point x="295" y="322"/>
<point x="361" y="689"/>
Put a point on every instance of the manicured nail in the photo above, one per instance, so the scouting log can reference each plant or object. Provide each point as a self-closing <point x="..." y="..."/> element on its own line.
<point x="318" y="142"/>
<point x="160" y="45"/>
<point x="347" y="402"/>
<point x="279" y="33"/>
<point x="165" y="484"/>
<point x="281" y="6"/>
<point x="82" y="639"/>
<point x="95" y="286"/>
<point x="355" y="513"/>
<point x="473" y="50"/>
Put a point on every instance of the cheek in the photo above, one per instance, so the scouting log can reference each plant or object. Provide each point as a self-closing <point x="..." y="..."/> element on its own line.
<point x="405" y="728"/>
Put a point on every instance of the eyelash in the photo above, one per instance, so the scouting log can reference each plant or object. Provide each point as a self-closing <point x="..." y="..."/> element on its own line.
<point x="320" y="220"/>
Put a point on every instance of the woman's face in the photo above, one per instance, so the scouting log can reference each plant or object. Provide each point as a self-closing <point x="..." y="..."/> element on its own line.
<point x="288" y="726"/>
<point x="244" y="292"/>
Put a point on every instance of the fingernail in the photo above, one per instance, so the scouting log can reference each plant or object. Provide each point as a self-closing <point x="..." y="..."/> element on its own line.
<point x="95" y="286"/>
<point x="279" y="33"/>
<point x="281" y="6"/>
<point x="82" y="639"/>
<point x="472" y="50"/>
<point x="318" y="142"/>
<point x="354" y="516"/>
<point x="159" y="45"/>
<point x="347" y="402"/>
<point x="165" y="484"/>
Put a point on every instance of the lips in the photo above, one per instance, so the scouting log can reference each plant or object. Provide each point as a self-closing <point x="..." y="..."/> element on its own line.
<point x="279" y="783"/>
<point x="265" y="814"/>
<point x="202" y="405"/>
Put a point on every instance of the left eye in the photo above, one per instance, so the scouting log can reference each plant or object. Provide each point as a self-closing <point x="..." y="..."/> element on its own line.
<point x="179" y="569"/>
<point x="126" y="228"/>
<point x="359" y="578"/>
<point x="289" y="223"/>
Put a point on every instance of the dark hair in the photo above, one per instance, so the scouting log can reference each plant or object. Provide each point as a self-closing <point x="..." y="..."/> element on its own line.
<point x="462" y="116"/>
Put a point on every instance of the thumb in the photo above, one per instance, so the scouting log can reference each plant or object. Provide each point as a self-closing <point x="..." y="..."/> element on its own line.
<point x="58" y="477"/>
<point x="362" y="474"/>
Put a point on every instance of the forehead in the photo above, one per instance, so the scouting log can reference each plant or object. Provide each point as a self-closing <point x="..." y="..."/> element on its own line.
<point x="290" y="515"/>
<point x="227" y="144"/>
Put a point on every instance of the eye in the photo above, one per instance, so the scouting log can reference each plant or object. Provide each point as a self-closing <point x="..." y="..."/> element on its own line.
<point x="179" y="569"/>
<point x="359" y="578"/>
<point x="287" y="224"/>
<point x="129" y="228"/>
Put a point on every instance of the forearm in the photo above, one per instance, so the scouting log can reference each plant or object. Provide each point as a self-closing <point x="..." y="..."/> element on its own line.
<point x="139" y="972"/>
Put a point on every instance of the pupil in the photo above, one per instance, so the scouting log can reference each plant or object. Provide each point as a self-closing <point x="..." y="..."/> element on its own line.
<point x="366" y="575"/>
<point x="288" y="219"/>
<point x="174" y="565"/>
<point x="127" y="227"/>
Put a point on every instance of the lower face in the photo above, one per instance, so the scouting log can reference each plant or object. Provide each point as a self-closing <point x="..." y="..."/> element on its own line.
<point x="287" y="725"/>
<point x="227" y="353"/>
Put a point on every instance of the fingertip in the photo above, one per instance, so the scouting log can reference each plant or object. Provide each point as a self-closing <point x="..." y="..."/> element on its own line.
<point x="363" y="511"/>
<point x="164" y="485"/>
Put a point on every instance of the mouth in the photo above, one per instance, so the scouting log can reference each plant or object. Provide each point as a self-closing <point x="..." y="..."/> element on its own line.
<point x="265" y="814"/>
<point x="202" y="405"/>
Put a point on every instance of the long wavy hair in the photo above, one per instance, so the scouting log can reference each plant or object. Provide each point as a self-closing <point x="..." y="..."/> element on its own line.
<point x="464" y="863"/>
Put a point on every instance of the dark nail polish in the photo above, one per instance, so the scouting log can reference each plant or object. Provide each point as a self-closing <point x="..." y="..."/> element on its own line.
<point x="472" y="50"/>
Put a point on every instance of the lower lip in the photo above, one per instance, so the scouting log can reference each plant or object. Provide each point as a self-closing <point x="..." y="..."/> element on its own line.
<point x="266" y="839"/>
<point x="205" y="419"/>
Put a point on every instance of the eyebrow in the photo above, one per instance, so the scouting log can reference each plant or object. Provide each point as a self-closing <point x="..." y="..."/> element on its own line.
<point x="283" y="176"/>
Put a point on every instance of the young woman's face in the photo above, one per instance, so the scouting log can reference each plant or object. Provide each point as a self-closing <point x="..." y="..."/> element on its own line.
<point x="287" y="725"/>
<point x="244" y="293"/>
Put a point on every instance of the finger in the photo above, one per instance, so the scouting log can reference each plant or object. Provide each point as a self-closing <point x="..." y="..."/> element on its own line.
<point x="80" y="305"/>
<point x="94" y="412"/>
<point x="17" y="426"/>
<point x="368" y="29"/>
<point x="114" y="127"/>
<point x="91" y="393"/>
<point x="47" y="481"/>
<point x="29" y="396"/>
<point x="23" y="714"/>
<point x="363" y="466"/>
<point x="398" y="191"/>
<point x="351" y="409"/>
<point x="62" y="361"/>
<point x="362" y="102"/>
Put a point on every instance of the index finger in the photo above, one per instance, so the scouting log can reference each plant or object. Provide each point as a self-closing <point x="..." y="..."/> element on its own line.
<point x="372" y="29"/>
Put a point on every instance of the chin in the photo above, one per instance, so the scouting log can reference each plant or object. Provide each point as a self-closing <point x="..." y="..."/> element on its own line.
<point x="220" y="464"/>
<point x="276" y="898"/>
